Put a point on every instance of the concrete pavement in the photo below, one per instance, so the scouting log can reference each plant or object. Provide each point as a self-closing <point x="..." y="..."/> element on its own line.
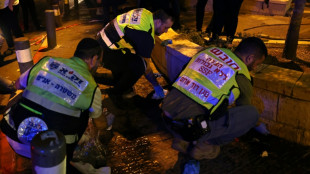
<point x="135" y="129"/>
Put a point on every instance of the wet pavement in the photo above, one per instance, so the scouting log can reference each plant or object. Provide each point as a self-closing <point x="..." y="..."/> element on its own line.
<point x="139" y="142"/>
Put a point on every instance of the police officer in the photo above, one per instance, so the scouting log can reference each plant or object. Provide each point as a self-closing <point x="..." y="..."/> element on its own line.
<point x="195" y="110"/>
<point x="58" y="94"/>
<point x="128" y="41"/>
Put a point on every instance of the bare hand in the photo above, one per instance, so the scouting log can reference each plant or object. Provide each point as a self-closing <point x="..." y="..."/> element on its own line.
<point x="11" y="7"/>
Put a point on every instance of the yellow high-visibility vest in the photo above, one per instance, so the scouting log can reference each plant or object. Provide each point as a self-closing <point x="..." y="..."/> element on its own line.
<point x="210" y="77"/>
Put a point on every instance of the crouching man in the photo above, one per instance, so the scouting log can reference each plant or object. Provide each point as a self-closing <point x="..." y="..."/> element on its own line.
<point x="196" y="109"/>
<point x="58" y="94"/>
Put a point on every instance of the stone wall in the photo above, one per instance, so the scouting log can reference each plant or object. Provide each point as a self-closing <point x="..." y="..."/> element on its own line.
<point x="282" y="96"/>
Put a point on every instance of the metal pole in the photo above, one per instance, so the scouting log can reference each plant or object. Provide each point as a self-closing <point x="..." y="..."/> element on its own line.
<point x="48" y="152"/>
<point x="50" y="28"/>
<point x="23" y="53"/>
<point x="57" y="15"/>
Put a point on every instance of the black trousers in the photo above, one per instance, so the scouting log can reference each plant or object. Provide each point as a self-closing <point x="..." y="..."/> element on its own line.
<point x="126" y="69"/>
<point x="9" y="24"/>
<point x="29" y="5"/>
<point x="200" y="12"/>
<point x="226" y="15"/>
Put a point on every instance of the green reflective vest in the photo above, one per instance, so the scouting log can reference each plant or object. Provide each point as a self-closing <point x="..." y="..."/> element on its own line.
<point x="67" y="82"/>
<point x="210" y="77"/>
<point x="138" y="19"/>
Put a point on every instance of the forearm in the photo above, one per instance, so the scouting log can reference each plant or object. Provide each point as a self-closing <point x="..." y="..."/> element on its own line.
<point x="96" y="113"/>
<point x="149" y="75"/>
<point x="151" y="78"/>
<point x="11" y="2"/>
<point x="100" y="122"/>
<point x="21" y="82"/>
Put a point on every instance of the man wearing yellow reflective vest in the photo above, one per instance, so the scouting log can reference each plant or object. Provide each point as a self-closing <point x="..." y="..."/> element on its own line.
<point x="196" y="109"/>
<point x="58" y="94"/>
<point x="128" y="41"/>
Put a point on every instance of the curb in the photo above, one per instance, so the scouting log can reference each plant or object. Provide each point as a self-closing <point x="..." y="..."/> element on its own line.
<point x="266" y="40"/>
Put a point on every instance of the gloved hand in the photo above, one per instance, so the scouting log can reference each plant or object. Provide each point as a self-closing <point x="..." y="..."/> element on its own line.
<point x="159" y="92"/>
<point x="192" y="167"/>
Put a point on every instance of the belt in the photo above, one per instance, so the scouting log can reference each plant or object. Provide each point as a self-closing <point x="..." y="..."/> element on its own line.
<point x="172" y="122"/>
<point x="189" y="129"/>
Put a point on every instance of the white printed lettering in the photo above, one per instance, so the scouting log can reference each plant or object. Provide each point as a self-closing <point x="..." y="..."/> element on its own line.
<point x="225" y="58"/>
<point x="194" y="87"/>
<point x="217" y="72"/>
<point x="57" y="86"/>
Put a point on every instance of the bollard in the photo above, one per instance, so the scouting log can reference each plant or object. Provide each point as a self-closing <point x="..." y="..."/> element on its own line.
<point x="48" y="153"/>
<point x="57" y="15"/>
<point x="67" y="9"/>
<point x="23" y="53"/>
<point x="50" y="28"/>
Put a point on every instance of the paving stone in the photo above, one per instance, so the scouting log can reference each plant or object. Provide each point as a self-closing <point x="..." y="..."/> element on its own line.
<point x="287" y="132"/>
<point x="302" y="88"/>
<point x="305" y="140"/>
<point x="266" y="103"/>
<point x="242" y="156"/>
<point x="294" y="112"/>
<point x="174" y="56"/>
<point x="276" y="79"/>
<point x="180" y="44"/>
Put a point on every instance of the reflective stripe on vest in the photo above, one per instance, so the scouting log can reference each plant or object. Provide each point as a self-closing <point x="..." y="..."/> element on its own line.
<point x="209" y="78"/>
<point x="50" y="105"/>
<point x="138" y="19"/>
<point x="196" y="89"/>
<point x="105" y="37"/>
<point x="66" y="82"/>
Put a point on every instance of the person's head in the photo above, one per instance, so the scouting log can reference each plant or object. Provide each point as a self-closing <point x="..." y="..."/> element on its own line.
<point x="162" y="22"/>
<point x="91" y="52"/>
<point x="252" y="51"/>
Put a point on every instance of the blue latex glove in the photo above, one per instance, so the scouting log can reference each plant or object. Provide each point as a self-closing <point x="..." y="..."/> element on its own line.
<point x="191" y="167"/>
<point x="159" y="91"/>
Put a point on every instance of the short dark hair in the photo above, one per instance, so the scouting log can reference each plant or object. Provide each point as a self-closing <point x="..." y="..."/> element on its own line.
<point x="162" y="15"/>
<point x="252" y="45"/>
<point x="87" y="48"/>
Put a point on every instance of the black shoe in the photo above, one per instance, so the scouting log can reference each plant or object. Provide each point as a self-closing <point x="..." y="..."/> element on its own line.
<point x="229" y="41"/>
<point x="212" y="42"/>
<point x="208" y="33"/>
